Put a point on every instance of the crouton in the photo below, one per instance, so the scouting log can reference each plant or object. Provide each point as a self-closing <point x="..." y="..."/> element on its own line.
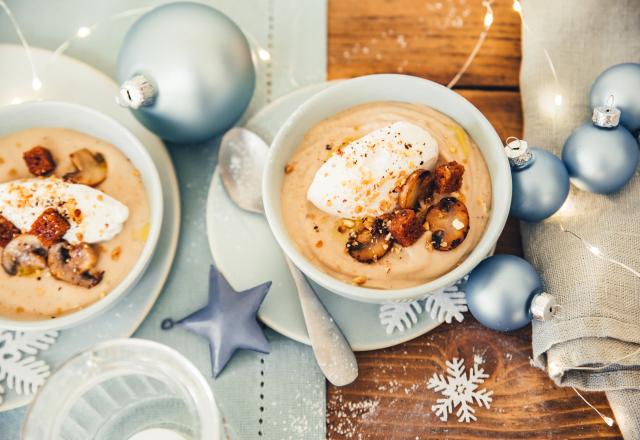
<point x="448" y="177"/>
<point x="50" y="227"/>
<point x="39" y="161"/>
<point x="405" y="227"/>
<point x="7" y="231"/>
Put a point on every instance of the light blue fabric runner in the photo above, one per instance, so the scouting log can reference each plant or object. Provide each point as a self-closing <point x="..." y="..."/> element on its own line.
<point x="292" y="388"/>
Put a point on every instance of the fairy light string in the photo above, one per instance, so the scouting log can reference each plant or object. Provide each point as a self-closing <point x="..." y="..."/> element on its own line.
<point x="487" y="22"/>
<point x="36" y="83"/>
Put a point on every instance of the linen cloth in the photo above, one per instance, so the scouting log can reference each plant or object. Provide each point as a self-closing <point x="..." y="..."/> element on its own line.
<point x="277" y="396"/>
<point x="599" y="319"/>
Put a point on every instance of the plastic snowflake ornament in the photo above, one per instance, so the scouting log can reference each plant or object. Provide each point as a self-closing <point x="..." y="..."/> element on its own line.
<point x="20" y="369"/>
<point x="460" y="390"/>
<point x="444" y="305"/>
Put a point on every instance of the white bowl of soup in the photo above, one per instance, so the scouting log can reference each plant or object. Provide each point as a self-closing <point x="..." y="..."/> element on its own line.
<point x="386" y="188"/>
<point x="80" y="214"/>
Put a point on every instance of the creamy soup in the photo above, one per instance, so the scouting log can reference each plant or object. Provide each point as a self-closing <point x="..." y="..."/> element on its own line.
<point x="321" y="237"/>
<point x="39" y="295"/>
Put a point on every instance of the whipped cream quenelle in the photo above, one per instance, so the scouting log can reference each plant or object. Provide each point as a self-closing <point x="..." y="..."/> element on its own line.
<point x="359" y="179"/>
<point x="349" y="209"/>
<point x="93" y="216"/>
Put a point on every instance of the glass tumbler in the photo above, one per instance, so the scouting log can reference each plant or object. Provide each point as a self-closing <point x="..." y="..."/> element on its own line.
<point x="124" y="389"/>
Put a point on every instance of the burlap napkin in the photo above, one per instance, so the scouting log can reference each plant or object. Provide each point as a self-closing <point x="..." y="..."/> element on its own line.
<point x="599" y="321"/>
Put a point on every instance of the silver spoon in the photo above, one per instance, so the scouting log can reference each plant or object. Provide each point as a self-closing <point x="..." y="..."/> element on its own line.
<point x="241" y="160"/>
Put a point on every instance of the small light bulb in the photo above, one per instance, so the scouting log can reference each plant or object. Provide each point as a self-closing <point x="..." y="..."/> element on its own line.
<point x="595" y="251"/>
<point x="36" y="84"/>
<point x="83" y="32"/>
<point x="517" y="6"/>
<point x="264" y="54"/>
<point x="558" y="100"/>
<point x="608" y="420"/>
<point x="488" y="19"/>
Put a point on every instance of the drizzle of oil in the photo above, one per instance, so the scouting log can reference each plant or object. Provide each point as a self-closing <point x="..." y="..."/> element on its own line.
<point x="143" y="233"/>
<point x="462" y="139"/>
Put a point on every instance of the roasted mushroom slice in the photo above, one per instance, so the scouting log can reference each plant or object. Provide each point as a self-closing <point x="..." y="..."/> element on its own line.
<point x="417" y="187"/>
<point x="449" y="223"/>
<point x="369" y="244"/>
<point x="405" y="227"/>
<point x="24" y="255"/>
<point x="74" y="264"/>
<point x="91" y="169"/>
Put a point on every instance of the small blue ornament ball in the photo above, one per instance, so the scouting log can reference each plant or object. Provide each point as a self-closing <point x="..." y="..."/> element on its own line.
<point x="186" y="71"/>
<point x="600" y="160"/>
<point x="539" y="185"/>
<point x="500" y="291"/>
<point x="623" y="82"/>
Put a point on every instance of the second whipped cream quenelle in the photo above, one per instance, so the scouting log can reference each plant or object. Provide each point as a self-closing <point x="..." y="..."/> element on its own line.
<point x="344" y="187"/>
<point x="359" y="180"/>
<point x="93" y="216"/>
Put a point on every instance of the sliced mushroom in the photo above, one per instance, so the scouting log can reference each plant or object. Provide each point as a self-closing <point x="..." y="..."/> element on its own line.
<point x="74" y="264"/>
<point x="449" y="223"/>
<point x="91" y="169"/>
<point x="369" y="242"/>
<point x="24" y="255"/>
<point x="417" y="187"/>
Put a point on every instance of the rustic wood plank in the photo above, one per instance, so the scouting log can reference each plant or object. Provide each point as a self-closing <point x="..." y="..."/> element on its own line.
<point x="390" y="400"/>
<point x="431" y="39"/>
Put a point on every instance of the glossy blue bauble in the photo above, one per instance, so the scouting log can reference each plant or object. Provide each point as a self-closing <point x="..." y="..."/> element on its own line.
<point x="623" y="82"/>
<point x="200" y="63"/>
<point x="499" y="292"/>
<point x="539" y="188"/>
<point x="600" y="160"/>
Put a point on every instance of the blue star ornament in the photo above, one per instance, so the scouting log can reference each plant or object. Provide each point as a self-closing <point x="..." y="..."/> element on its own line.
<point x="229" y="320"/>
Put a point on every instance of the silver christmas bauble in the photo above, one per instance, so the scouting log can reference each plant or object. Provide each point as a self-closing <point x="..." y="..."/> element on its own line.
<point x="539" y="182"/>
<point x="186" y="72"/>
<point x="621" y="81"/>
<point x="601" y="157"/>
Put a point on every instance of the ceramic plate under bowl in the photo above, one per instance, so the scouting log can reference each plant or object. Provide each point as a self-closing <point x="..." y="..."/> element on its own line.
<point x="246" y="252"/>
<point x="91" y="88"/>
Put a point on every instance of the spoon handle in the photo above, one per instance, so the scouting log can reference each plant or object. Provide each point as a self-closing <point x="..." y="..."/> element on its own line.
<point x="333" y="353"/>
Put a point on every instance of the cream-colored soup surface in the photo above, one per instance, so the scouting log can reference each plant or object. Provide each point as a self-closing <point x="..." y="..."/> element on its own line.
<point x="41" y="296"/>
<point x="315" y="232"/>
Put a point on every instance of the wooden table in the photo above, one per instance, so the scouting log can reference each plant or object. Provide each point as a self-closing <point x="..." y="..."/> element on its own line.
<point x="390" y="400"/>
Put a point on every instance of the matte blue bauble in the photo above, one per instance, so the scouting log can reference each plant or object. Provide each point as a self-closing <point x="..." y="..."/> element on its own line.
<point x="539" y="188"/>
<point x="600" y="160"/>
<point x="186" y="71"/>
<point x="623" y="82"/>
<point x="500" y="291"/>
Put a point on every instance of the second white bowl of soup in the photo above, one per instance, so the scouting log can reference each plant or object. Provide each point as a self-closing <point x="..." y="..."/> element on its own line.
<point x="80" y="214"/>
<point x="386" y="188"/>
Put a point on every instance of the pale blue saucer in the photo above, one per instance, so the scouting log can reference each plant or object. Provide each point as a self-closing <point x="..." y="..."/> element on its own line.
<point x="247" y="254"/>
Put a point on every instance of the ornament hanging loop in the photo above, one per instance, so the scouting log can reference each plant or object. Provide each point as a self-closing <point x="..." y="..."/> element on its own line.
<point x="136" y="92"/>
<point x="606" y="116"/>
<point x="517" y="151"/>
<point x="543" y="307"/>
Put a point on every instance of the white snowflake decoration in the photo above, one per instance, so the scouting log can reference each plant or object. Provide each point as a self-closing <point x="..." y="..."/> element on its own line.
<point x="399" y="316"/>
<point x="460" y="390"/>
<point x="444" y="305"/>
<point x="20" y="370"/>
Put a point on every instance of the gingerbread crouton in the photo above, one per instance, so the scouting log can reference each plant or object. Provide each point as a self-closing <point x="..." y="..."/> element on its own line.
<point x="39" y="161"/>
<point x="7" y="231"/>
<point x="50" y="227"/>
<point x="448" y="177"/>
<point x="405" y="227"/>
